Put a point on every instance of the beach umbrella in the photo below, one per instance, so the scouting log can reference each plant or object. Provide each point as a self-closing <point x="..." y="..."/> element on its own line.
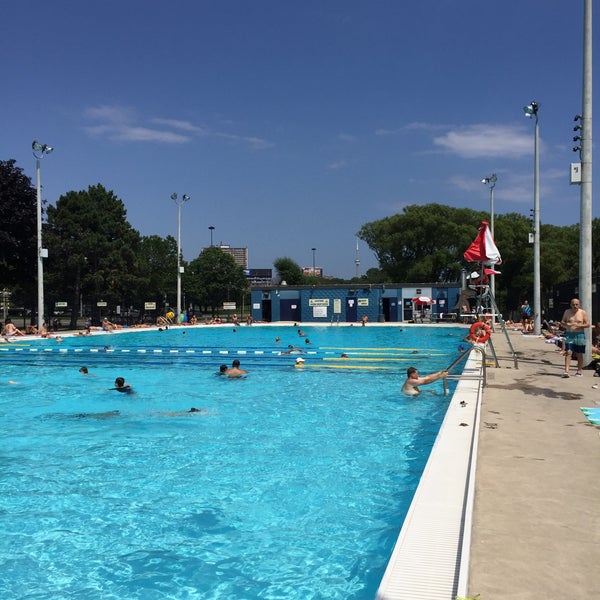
<point x="483" y="249"/>
<point x="423" y="300"/>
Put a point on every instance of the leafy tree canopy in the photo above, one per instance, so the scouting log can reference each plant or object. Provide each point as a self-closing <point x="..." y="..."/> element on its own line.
<point x="214" y="277"/>
<point x="93" y="250"/>
<point x="424" y="243"/>
<point x="18" y="231"/>
<point x="158" y="268"/>
<point x="289" y="271"/>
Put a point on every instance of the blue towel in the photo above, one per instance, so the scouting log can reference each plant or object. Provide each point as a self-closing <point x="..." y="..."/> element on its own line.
<point x="593" y="415"/>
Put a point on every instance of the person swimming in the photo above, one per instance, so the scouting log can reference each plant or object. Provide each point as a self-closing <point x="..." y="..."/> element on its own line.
<point x="122" y="386"/>
<point x="293" y="350"/>
<point x="104" y="415"/>
<point x="181" y="413"/>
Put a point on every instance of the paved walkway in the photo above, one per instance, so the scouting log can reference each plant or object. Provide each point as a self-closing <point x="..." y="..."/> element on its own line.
<point x="536" y="528"/>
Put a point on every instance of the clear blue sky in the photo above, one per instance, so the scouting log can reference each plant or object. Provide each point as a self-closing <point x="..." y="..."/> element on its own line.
<point x="291" y="124"/>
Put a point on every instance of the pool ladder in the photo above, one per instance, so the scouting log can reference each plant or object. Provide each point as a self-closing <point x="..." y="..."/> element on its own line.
<point x="482" y="374"/>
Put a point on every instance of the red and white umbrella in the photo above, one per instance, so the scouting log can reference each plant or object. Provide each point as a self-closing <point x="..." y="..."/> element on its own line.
<point x="483" y="249"/>
<point x="423" y="300"/>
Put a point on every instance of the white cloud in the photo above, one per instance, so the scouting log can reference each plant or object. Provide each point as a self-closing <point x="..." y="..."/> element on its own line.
<point x="414" y="126"/>
<point x="485" y="141"/>
<point x="177" y="124"/>
<point x="472" y="141"/>
<point x="255" y="142"/>
<point x="145" y="134"/>
<point x="339" y="164"/>
<point x="111" y="114"/>
<point x="383" y="131"/>
<point x="121" y="124"/>
<point x="118" y="123"/>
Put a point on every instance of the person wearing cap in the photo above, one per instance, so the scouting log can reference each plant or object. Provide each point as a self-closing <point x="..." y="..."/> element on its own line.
<point x="299" y="362"/>
<point x="413" y="381"/>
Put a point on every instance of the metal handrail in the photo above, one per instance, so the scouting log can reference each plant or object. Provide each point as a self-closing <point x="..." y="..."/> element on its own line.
<point x="462" y="357"/>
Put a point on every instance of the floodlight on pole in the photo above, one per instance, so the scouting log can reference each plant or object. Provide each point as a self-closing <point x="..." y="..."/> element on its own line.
<point x="179" y="202"/>
<point x="211" y="228"/>
<point x="491" y="183"/>
<point x="313" y="257"/>
<point x="39" y="151"/>
<point x="531" y="111"/>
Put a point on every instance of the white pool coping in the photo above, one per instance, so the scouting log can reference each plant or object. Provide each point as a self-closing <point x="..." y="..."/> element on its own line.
<point x="431" y="556"/>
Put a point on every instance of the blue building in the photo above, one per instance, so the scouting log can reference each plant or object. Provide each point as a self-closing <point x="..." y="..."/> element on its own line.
<point x="350" y="303"/>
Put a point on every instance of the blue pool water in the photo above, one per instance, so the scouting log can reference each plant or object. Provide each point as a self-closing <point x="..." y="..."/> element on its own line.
<point x="290" y="484"/>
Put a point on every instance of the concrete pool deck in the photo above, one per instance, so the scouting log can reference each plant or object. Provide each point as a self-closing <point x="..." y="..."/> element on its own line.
<point x="536" y="518"/>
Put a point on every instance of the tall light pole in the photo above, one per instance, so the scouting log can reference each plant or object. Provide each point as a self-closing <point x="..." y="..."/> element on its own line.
<point x="39" y="151"/>
<point x="531" y="112"/>
<point x="212" y="228"/>
<point x="313" y="253"/>
<point x="179" y="202"/>
<point x="585" y="219"/>
<point x="491" y="183"/>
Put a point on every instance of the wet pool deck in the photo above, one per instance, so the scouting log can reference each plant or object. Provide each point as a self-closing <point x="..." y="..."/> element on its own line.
<point x="536" y="518"/>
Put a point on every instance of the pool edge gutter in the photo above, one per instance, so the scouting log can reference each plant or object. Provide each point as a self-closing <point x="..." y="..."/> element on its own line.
<point x="430" y="559"/>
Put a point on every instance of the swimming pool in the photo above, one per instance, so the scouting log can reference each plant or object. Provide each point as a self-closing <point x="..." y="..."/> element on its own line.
<point x="291" y="483"/>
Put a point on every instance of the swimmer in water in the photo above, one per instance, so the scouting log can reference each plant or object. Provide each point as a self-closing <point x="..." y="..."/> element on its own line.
<point x="122" y="386"/>
<point x="293" y="350"/>
<point x="235" y="371"/>
<point x="413" y="381"/>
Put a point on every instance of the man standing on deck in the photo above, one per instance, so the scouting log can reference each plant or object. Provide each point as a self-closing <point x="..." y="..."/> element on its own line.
<point x="575" y="321"/>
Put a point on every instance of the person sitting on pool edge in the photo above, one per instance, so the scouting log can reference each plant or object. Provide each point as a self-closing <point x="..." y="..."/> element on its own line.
<point x="107" y="325"/>
<point x="413" y="381"/>
<point x="10" y="329"/>
<point x="122" y="386"/>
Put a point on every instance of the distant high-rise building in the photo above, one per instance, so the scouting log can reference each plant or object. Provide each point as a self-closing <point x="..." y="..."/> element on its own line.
<point x="240" y="255"/>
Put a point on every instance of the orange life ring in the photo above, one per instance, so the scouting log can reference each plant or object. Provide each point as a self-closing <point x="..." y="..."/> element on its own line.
<point x="476" y="328"/>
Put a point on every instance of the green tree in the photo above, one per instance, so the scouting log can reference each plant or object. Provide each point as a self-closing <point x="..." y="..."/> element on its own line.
<point x="559" y="255"/>
<point x="427" y="243"/>
<point x="424" y="243"/>
<point x="93" y="250"/>
<point x="516" y="280"/>
<point x="289" y="271"/>
<point x="18" y="233"/>
<point x="158" y="270"/>
<point x="214" y="278"/>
